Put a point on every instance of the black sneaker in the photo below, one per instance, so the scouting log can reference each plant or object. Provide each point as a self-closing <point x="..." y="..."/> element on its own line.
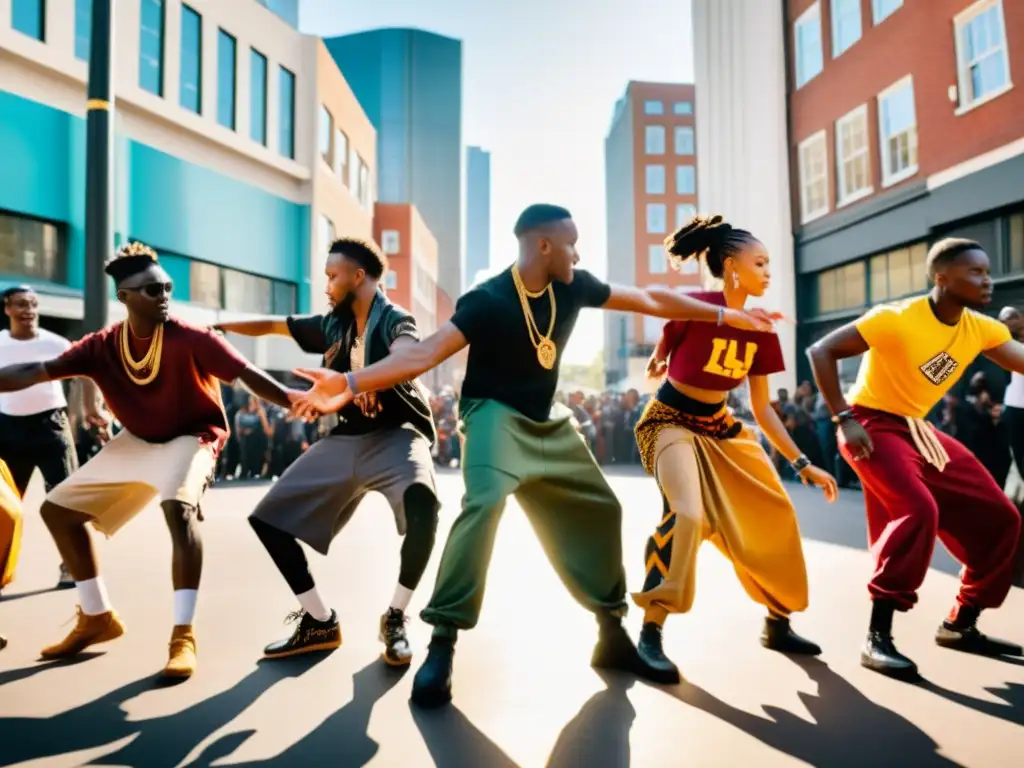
<point x="653" y="655"/>
<point x="971" y="640"/>
<point x="397" y="651"/>
<point x="310" y="636"/>
<point x="432" y="686"/>
<point x="879" y="654"/>
<point x="778" y="635"/>
<point x="65" y="581"/>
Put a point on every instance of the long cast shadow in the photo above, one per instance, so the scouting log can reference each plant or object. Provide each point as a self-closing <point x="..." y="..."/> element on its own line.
<point x="23" y="673"/>
<point x="454" y="742"/>
<point x="848" y="729"/>
<point x="1013" y="694"/>
<point x="599" y="733"/>
<point x="10" y="598"/>
<point x="342" y="740"/>
<point x="160" y="741"/>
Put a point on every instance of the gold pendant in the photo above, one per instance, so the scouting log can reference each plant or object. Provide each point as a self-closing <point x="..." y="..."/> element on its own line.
<point x="546" y="353"/>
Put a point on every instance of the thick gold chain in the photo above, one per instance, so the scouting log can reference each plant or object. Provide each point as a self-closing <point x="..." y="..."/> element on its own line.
<point x="150" y="361"/>
<point x="536" y="338"/>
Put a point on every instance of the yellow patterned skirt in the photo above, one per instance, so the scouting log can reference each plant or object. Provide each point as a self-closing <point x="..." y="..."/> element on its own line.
<point x="717" y="483"/>
<point x="10" y="526"/>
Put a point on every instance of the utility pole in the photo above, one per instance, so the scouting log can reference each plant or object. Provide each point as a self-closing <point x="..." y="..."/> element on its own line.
<point x="99" y="154"/>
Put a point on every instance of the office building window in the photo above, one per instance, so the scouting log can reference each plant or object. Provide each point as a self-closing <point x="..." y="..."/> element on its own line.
<point x="845" y="25"/>
<point x="654" y="108"/>
<point x="883" y="9"/>
<point x="248" y="293"/>
<point x="684" y="213"/>
<point x="258" y="96"/>
<point x="682" y="108"/>
<point x="204" y="285"/>
<point x="899" y="272"/>
<point x="29" y="18"/>
<point x="686" y="180"/>
<point x="227" y="63"/>
<point x="326" y="234"/>
<point x="31" y="248"/>
<point x="286" y="113"/>
<point x="684" y="140"/>
<point x="341" y="155"/>
<point x="83" y="28"/>
<point x="1017" y="243"/>
<point x="325" y="136"/>
<point x="654" y="140"/>
<point x="842" y="288"/>
<point x="853" y="159"/>
<point x="191" y="88"/>
<point x="813" y="159"/>
<point x="656" y="218"/>
<point x="657" y="260"/>
<point x="283" y="298"/>
<point x="655" y="179"/>
<point x="897" y="119"/>
<point x="363" y="192"/>
<point x="151" y="47"/>
<point x="807" y="38"/>
<point x="391" y="241"/>
<point x="981" y="53"/>
<point x="391" y="280"/>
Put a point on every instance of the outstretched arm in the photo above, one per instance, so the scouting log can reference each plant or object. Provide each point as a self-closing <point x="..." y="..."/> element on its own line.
<point x="1009" y="355"/>
<point x="672" y="305"/>
<point x="768" y="420"/>
<point x="22" y="375"/>
<point x="825" y="355"/>
<point x="264" y="327"/>
<point x="332" y="391"/>
<point x="267" y="388"/>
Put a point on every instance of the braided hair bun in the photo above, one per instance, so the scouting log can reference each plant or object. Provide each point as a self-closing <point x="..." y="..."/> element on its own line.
<point x="703" y="235"/>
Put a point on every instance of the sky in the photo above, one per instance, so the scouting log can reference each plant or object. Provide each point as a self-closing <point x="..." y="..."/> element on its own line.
<point x="540" y="82"/>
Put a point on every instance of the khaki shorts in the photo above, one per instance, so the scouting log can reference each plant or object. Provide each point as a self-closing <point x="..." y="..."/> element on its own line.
<point x="128" y="473"/>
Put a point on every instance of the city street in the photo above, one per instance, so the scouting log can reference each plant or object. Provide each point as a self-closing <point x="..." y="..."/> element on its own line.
<point x="524" y="691"/>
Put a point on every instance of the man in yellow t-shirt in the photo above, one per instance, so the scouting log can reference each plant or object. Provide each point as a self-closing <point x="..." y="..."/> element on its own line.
<point x="919" y="482"/>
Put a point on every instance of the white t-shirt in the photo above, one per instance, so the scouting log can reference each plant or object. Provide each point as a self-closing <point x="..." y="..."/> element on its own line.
<point x="1014" y="396"/>
<point x="39" y="397"/>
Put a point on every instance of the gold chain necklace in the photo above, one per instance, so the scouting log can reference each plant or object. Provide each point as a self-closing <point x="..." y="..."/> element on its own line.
<point x="547" y="352"/>
<point x="150" y="361"/>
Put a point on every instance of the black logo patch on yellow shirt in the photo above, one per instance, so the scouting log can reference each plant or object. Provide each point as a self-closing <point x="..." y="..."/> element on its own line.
<point x="939" y="368"/>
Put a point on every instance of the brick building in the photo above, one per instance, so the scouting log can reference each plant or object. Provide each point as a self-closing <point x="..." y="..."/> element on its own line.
<point x="651" y="188"/>
<point x="904" y="128"/>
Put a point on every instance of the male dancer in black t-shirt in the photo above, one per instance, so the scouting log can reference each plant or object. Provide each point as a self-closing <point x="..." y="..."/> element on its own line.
<point x="516" y="325"/>
<point x="381" y="444"/>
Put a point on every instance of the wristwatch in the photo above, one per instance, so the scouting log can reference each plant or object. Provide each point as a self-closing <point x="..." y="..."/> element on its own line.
<point x="842" y="416"/>
<point x="801" y="463"/>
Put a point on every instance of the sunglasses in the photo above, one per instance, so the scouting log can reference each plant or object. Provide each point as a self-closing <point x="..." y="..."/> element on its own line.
<point x="153" y="290"/>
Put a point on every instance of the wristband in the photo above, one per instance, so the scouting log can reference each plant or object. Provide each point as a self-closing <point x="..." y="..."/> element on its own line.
<point x="842" y="416"/>
<point x="351" y="381"/>
<point x="721" y="315"/>
<point x="800" y="464"/>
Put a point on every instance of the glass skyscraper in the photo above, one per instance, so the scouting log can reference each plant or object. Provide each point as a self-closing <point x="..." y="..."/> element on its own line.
<point x="409" y="83"/>
<point x="478" y="213"/>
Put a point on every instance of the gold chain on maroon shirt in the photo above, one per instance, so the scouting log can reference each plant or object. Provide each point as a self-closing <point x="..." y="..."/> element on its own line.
<point x="151" y="360"/>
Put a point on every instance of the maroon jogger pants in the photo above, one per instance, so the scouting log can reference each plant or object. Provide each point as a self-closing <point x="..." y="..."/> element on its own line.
<point x="909" y="502"/>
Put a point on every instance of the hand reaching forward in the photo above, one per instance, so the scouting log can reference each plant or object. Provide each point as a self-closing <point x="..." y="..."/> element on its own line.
<point x="329" y="394"/>
<point x="812" y="475"/>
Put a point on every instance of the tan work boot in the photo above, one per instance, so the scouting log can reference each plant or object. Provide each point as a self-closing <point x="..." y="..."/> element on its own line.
<point x="89" y="630"/>
<point x="182" y="660"/>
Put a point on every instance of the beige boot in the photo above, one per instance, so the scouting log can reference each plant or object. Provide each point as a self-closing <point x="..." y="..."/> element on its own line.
<point x="89" y="630"/>
<point x="182" y="659"/>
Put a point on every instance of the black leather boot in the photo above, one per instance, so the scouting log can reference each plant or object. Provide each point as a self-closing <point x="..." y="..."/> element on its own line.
<point x="961" y="633"/>
<point x="432" y="686"/>
<point x="653" y="655"/>
<point x="778" y="635"/>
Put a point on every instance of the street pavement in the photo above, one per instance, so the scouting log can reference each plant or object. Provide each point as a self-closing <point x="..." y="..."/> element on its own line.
<point x="525" y="694"/>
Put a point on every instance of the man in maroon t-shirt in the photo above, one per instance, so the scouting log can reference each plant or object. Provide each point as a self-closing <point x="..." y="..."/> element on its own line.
<point x="159" y="377"/>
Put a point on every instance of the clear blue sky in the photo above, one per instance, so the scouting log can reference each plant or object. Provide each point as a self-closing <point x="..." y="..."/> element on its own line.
<point x="540" y="81"/>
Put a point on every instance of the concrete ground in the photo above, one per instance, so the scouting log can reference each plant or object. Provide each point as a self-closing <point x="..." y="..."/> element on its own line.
<point x="524" y="692"/>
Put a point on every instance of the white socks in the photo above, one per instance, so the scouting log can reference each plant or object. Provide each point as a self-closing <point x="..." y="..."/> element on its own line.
<point x="184" y="606"/>
<point x="313" y="604"/>
<point x="401" y="599"/>
<point x="92" y="597"/>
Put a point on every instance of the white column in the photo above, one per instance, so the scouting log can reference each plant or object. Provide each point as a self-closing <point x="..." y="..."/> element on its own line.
<point x="742" y="143"/>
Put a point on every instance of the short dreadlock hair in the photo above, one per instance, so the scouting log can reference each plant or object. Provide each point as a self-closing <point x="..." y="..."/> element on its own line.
<point x="130" y="259"/>
<point x="364" y="253"/>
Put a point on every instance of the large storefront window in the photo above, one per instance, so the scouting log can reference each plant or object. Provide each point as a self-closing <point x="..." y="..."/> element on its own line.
<point x="899" y="273"/>
<point x="841" y="288"/>
<point x="31" y="249"/>
<point x="1017" y="243"/>
<point x="220" y="288"/>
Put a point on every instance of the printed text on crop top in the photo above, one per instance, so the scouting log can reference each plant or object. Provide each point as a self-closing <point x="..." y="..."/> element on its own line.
<point x="718" y="357"/>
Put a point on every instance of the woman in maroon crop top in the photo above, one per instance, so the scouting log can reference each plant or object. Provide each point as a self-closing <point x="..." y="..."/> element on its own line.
<point x="716" y="480"/>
